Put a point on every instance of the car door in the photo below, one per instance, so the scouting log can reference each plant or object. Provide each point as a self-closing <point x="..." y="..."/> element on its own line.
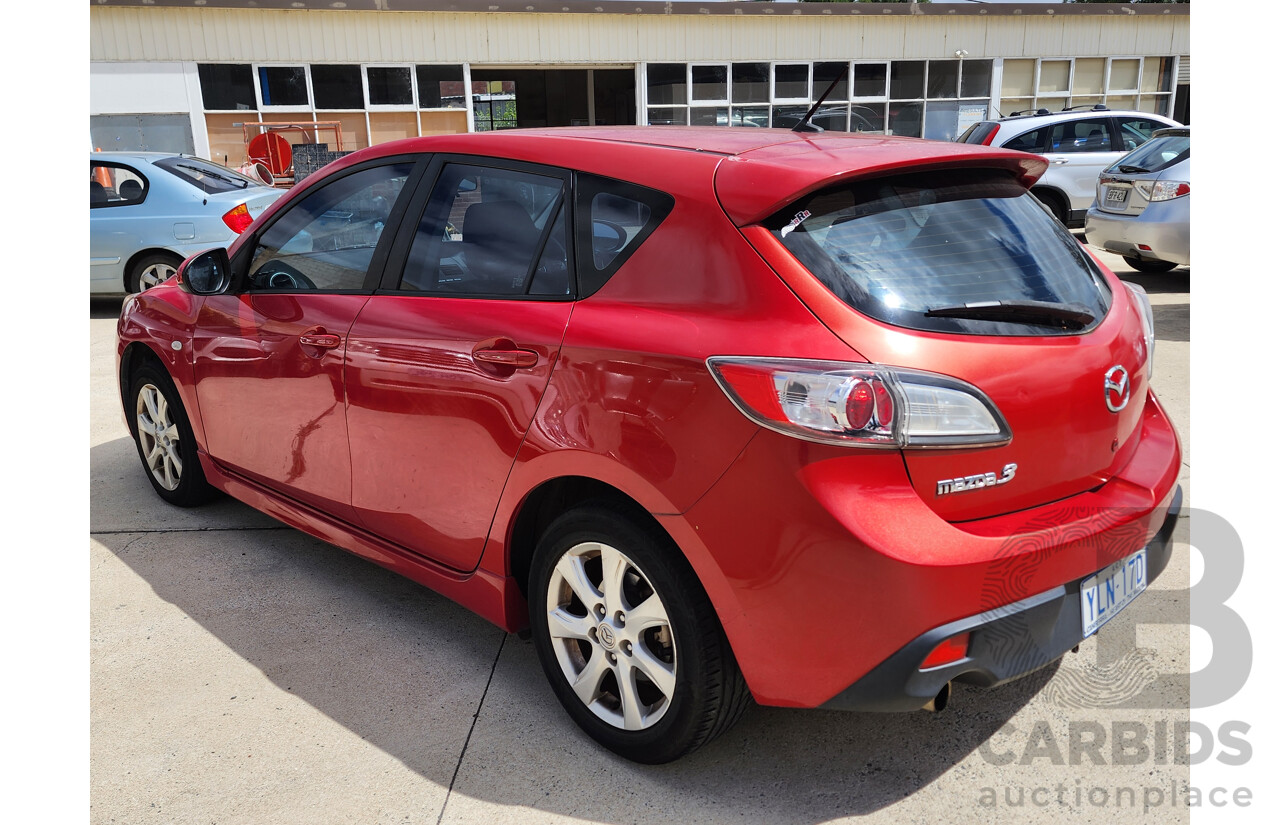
<point x="268" y="357"/>
<point x="1078" y="151"/>
<point x="447" y="364"/>
<point x="117" y="193"/>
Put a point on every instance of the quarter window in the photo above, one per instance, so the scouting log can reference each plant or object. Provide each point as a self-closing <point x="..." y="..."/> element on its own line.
<point x="327" y="241"/>
<point x="111" y="185"/>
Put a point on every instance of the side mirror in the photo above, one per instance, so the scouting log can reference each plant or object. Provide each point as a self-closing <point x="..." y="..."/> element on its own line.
<point x="607" y="236"/>
<point x="208" y="273"/>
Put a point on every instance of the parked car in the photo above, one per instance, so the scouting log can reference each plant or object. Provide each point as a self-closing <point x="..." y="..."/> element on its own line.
<point x="770" y="419"/>
<point x="149" y="210"/>
<point x="1078" y="143"/>
<point x="1143" y="207"/>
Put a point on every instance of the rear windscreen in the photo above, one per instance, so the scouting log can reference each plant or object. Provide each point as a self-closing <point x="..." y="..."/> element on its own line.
<point x="1155" y="155"/>
<point x="900" y="248"/>
<point x="208" y="177"/>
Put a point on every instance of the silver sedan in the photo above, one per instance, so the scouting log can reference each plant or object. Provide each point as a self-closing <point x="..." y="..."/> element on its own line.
<point x="1143" y="207"/>
<point x="148" y="211"/>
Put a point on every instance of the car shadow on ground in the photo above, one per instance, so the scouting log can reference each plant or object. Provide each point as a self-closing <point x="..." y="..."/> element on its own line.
<point x="1171" y="282"/>
<point x="105" y="307"/>
<point x="405" y="669"/>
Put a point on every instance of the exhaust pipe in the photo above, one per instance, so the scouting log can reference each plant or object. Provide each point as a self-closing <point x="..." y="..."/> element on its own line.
<point x="939" y="703"/>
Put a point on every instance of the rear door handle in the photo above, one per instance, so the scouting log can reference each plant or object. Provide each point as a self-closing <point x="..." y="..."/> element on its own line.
<point x="321" y="340"/>
<point x="522" y="358"/>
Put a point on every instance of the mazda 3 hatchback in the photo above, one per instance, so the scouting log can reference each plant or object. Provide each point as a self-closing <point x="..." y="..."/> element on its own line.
<point x="814" y="420"/>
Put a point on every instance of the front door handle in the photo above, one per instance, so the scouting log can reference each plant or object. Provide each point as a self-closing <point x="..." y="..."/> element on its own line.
<point x="512" y="357"/>
<point x="321" y="340"/>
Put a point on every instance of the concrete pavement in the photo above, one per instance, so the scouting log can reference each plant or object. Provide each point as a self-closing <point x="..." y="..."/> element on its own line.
<point x="242" y="672"/>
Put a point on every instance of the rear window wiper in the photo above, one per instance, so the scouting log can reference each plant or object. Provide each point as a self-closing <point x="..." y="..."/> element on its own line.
<point x="1036" y="313"/>
<point x="1131" y="170"/>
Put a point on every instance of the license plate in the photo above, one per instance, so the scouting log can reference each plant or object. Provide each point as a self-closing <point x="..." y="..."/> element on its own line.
<point x="1106" y="593"/>
<point x="1117" y="195"/>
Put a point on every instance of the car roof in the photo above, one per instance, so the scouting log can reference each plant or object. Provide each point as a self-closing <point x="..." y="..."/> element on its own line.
<point x="756" y="171"/>
<point x="140" y="157"/>
<point x="1035" y="120"/>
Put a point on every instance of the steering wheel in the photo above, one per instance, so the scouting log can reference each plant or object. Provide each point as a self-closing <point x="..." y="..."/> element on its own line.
<point x="279" y="275"/>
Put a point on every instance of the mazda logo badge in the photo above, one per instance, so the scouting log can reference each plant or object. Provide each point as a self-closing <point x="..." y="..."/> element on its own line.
<point x="1116" y="388"/>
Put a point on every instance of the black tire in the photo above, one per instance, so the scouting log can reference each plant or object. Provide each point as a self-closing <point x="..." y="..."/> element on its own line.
<point x="707" y="693"/>
<point x="1054" y="203"/>
<point x="179" y="482"/>
<point x="1144" y="265"/>
<point x="150" y="270"/>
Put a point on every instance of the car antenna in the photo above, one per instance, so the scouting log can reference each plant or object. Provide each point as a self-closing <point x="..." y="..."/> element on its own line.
<point x="804" y="125"/>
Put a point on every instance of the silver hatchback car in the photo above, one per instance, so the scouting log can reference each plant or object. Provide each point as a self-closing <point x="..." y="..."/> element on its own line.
<point x="1143" y="207"/>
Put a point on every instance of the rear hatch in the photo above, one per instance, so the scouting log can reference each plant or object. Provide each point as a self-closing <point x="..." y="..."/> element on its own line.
<point x="1127" y="187"/>
<point x="961" y="272"/>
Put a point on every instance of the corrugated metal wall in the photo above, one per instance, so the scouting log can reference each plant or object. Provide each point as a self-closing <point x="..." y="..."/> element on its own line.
<point x="266" y="36"/>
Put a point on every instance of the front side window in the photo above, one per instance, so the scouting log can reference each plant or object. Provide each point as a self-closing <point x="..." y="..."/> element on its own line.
<point x="327" y="240"/>
<point x="489" y="231"/>
<point x="936" y="251"/>
<point x="1032" y="141"/>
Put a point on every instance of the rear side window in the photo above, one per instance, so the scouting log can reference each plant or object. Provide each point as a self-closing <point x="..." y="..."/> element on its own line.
<point x="208" y="177"/>
<point x="900" y="249"/>
<point x="613" y="218"/>
<point x="115" y="185"/>
<point x="1135" y="131"/>
<point x="1030" y="142"/>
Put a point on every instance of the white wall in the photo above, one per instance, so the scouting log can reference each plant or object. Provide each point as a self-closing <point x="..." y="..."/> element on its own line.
<point x="149" y="88"/>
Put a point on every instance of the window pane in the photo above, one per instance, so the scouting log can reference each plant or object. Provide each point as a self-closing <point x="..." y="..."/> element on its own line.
<point x="941" y="120"/>
<point x="824" y="73"/>
<point x="1018" y="78"/>
<point x="869" y="79"/>
<point x="227" y="86"/>
<point x="337" y="87"/>
<point x="907" y="79"/>
<point x="1015" y="106"/>
<point x="1120" y="102"/>
<point x="667" y="83"/>
<point x="1086" y="100"/>
<point x="866" y="118"/>
<point x="671" y="116"/>
<point x="390" y="86"/>
<point x="750" y="116"/>
<point x="944" y="79"/>
<point x="1089" y="76"/>
<point x="283" y="85"/>
<point x="327" y="240"/>
<point x="551" y="275"/>
<point x="115" y="186"/>
<point x="1081" y="136"/>
<point x="905" y="119"/>
<point x="1029" y="142"/>
<point x="482" y="230"/>
<point x="709" y="116"/>
<point x="975" y="78"/>
<point x="1124" y="75"/>
<point x="1135" y="131"/>
<point x="440" y="87"/>
<point x="786" y="117"/>
<point x="1157" y="74"/>
<point x="495" y="104"/>
<point x="1055" y="76"/>
<point x="750" y="82"/>
<point x="1155" y="104"/>
<point x="211" y="178"/>
<point x="791" y="82"/>
<point x="710" y="82"/>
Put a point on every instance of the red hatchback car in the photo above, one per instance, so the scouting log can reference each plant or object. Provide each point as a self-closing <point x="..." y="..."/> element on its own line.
<point x="820" y="419"/>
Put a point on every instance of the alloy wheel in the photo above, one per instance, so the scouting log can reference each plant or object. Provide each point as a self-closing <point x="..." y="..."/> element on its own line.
<point x="158" y="436"/>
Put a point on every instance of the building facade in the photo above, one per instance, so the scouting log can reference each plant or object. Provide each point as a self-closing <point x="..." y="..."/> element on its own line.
<point x="197" y="75"/>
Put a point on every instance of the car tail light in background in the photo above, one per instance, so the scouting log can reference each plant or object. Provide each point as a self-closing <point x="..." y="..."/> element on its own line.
<point x="1163" y="190"/>
<point x="861" y="405"/>
<point x="238" y="219"/>
<point x="986" y="141"/>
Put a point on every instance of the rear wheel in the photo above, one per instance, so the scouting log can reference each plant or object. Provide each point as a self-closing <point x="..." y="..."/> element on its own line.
<point x="151" y="270"/>
<point x="1146" y="265"/>
<point x="166" y="444"/>
<point x="1054" y="203"/>
<point x="627" y="637"/>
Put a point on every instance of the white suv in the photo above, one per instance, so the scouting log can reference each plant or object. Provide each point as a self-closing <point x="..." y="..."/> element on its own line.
<point x="1078" y="143"/>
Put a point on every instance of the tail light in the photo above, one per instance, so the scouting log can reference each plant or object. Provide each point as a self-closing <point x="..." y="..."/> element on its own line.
<point x="1148" y="323"/>
<point x="238" y="219"/>
<point x="1163" y="190"/>
<point x="860" y="405"/>
<point x="986" y="141"/>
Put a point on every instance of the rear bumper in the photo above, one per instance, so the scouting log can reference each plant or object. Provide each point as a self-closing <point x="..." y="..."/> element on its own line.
<point x="1005" y="644"/>
<point x="825" y="565"/>
<point x="1164" y="226"/>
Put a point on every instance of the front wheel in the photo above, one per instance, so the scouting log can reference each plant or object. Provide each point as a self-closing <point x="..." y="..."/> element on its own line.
<point x="1145" y="265"/>
<point x="166" y="444"/>
<point x="628" y="639"/>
